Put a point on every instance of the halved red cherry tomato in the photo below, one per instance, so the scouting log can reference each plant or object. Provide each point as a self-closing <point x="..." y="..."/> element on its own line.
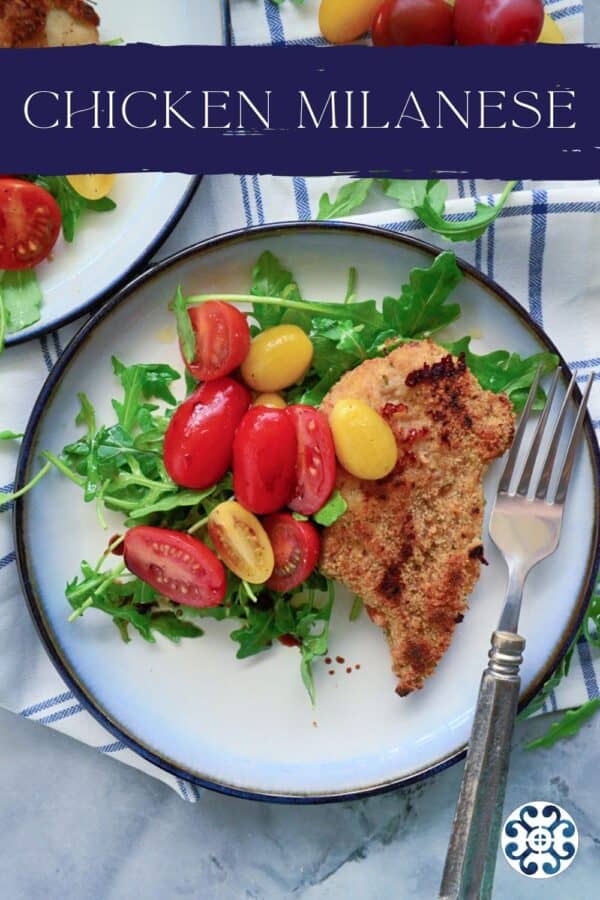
<point x="30" y="223"/>
<point x="176" y="565"/>
<point x="501" y="22"/>
<point x="222" y="339"/>
<point x="409" y="23"/>
<point x="296" y="546"/>
<point x="199" y="440"/>
<point x="264" y="460"/>
<point x="315" y="463"/>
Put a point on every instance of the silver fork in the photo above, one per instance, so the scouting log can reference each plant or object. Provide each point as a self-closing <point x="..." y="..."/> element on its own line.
<point x="525" y="526"/>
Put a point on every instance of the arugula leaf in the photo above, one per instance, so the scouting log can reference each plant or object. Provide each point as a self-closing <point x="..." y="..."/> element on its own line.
<point x="185" y="331"/>
<point x="349" y="198"/>
<point x="412" y="194"/>
<point x="72" y="205"/>
<point x="567" y="726"/>
<point x="427" y="199"/>
<point x="502" y="371"/>
<point x="256" y="635"/>
<point x="270" y="279"/>
<point x="142" y="381"/>
<point x="87" y="417"/>
<point x="463" y="231"/>
<point x="9" y="436"/>
<point x="130" y="602"/>
<point x="333" y="510"/>
<point x="421" y="309"/>
<point x="20" y="299"/>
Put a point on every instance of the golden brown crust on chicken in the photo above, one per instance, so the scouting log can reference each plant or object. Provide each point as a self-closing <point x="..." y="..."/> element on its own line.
<point x="410" y="544"/>
<point x="47" y="23"/>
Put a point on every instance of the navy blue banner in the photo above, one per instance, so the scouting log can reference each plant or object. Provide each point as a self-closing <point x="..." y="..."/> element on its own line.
<point x="504" y="112"/>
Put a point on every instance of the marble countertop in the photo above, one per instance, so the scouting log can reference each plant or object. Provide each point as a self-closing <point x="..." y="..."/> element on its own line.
<point x="78" y="825"/>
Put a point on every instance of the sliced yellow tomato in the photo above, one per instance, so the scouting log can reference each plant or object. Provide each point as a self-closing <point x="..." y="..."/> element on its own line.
<point x="241" y="542"/>
<point x="364" y="442"/>
<point x="92" y="187"/>
<point x="550" y="33"/>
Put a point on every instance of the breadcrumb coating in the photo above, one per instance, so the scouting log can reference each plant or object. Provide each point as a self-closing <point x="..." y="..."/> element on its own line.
<point x="47" y="23"/>
<point x="410" y="544"/>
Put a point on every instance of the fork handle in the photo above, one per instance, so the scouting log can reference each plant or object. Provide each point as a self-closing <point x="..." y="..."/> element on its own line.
<point x="471" y="859"/>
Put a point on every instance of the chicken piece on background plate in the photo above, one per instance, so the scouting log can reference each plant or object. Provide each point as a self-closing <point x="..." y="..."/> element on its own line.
<point x="47" y="23"/>
<point x="410" y="544"/>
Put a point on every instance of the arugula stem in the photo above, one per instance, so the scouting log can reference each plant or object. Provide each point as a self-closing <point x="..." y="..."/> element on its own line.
<point x="314" y="306"/>
<point x="79" y="480"/>
<point x="198" y="525"/>
<point x="10" y="497"/>
<point x="81" y="609"/>
<point x="97" y="590"/>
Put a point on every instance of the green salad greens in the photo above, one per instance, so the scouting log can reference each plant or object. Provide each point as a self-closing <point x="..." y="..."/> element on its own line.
<point x="427" y="199"/>
<point x="119" y="466"/>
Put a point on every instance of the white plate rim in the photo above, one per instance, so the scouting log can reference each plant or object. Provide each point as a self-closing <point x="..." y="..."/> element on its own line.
<point x="35" y="605"/>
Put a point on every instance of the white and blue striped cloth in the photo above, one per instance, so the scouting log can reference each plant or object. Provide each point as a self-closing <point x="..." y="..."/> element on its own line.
<point x="555" y="274"/>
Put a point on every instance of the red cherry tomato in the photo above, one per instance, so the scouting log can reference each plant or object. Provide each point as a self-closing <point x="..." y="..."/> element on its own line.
<point x="409" y="23"/>
<point x="30" y="223"/>
<point x="315" y="464"/>
<point x="498" y="22"/>
<point x="199" y="440"/>
<point x="176" y="565"/>
<point x="296" y="546"/>
<point x="264" y="460"/>
<point x="222" y="339"/>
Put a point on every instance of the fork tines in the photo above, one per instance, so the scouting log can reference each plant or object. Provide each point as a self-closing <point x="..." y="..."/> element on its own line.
<point x="526" y="481"/>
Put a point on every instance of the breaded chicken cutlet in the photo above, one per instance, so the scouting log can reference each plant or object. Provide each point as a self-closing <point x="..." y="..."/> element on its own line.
<point x="47" y="23"/>
<point x="410" y="544"/>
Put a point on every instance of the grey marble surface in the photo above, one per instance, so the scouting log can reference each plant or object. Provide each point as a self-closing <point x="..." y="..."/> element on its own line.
<point x="75" y="825"/>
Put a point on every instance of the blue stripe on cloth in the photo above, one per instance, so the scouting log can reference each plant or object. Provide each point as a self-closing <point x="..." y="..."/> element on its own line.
<point x="46" y="704"/>
<point x="112" y="748"/>
<point x="595" y="423"/>
<point x="56" y="341"/>
<point x="300" y="42"/>
<point x="568" y="11"/>
<point x="536" y="254"/>
<point x="274" y="22"/>
<point x="8" y="559"/>
<point x="188" y="790"/>
<point x="585" y="363"/>
<point x="46" y="352"/>
<point x="302" y="198"/>
<point x="246" y="201"/>
<point x="258" y="199"/>
<point x="61" y="714"/>
<point x="587" y="668"/>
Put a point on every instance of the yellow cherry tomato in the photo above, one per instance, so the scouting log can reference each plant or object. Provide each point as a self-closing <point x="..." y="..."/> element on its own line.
<point x="550" y="33"/>
<point x="275" y="401"/>
<point x="241" y="542"/>
<point x="342" y="21"/>
<point x="278" y="358"/>
<point x="364" y="442"/>
<point x="92" y="187"/>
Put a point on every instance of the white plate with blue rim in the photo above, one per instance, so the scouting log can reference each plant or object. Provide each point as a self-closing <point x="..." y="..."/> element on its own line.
<point x="110" y="248"/>
<point x="246" y="727"/>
